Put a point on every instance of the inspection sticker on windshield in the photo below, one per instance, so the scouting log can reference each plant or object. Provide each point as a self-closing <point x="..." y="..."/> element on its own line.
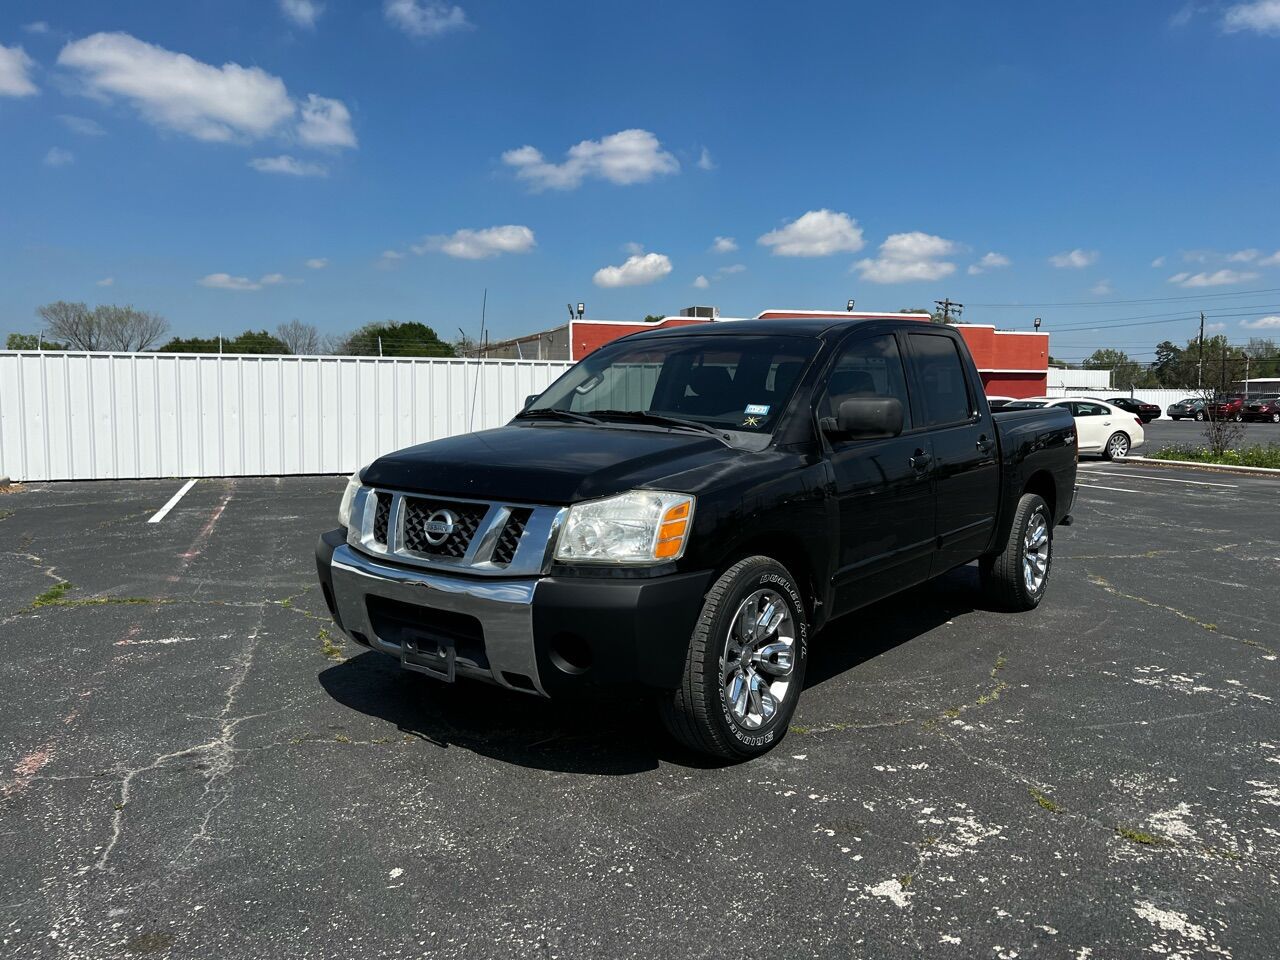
<point x="757" y="409"/>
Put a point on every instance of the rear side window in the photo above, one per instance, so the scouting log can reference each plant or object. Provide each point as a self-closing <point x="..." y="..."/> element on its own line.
<point x="1083" y="409"/>
<point x="942" y="381"/>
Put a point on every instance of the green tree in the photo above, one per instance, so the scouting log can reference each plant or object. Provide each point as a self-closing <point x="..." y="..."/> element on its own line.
<point x="32" y="341"/>
<point x="653" y="318"/>
<point x="251" y="341"/>
<point x="1125" y="373"/>
<point x="105" y="327"/>
<point x="393" y="339"/>
<point x="1167" y="368"/>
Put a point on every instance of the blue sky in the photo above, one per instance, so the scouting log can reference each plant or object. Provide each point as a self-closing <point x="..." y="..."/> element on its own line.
<point x="240" y="164"/>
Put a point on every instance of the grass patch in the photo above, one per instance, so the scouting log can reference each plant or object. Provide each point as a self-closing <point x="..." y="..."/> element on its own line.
<point x="1043" y="800"/>
<point x="5" y="514"/>
<point x="51" y="597"/>
<point x="342" y="738"/>
<point x="1256" y="455"/>
<point x="327" y="646"/>
<point x="1138" y="836"/>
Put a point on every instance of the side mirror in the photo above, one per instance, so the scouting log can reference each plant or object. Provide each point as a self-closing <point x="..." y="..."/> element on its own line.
<point x="529" y="399"/>
<point x="865" y="417"/>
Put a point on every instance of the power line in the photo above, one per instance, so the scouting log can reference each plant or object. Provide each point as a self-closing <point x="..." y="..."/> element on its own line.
<point x="1106" y="303"/>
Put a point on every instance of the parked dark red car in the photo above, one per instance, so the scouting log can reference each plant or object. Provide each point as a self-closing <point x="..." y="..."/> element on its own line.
<point x="1146" y="412"/>
<point x="1229" y="408"/>
<point x="1263" y="408"/>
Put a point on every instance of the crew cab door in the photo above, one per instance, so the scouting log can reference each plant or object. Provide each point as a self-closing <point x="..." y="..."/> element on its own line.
<point x="882" y="485"/>
<point x="966" y="472"/>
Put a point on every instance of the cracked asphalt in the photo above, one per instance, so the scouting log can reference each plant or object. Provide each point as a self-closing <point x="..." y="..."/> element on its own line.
<point x="193" y="765"/>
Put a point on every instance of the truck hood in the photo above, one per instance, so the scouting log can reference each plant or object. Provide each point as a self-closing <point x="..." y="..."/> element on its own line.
<point x="550" y="463"/>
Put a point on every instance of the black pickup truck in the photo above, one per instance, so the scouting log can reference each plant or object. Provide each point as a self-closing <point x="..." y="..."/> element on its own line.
<point x="682" y="510"/>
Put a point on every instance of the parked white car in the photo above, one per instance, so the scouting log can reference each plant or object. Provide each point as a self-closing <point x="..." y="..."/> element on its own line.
<point x="1100" y="427"/>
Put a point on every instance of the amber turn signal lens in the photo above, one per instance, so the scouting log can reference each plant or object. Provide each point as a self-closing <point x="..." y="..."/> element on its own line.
<point x="672" y="531"/>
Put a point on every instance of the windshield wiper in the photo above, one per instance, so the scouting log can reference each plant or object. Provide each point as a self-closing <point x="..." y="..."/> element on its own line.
<point x="648" y="416"/>
<point x="556" y="413"/>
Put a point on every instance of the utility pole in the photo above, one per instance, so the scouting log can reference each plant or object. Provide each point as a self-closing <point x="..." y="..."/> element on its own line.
<point x="949" y="307"/>
<point x="1200" y="364"/>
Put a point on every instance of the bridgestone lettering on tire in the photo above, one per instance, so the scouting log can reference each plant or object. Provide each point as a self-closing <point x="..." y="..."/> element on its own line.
<point x="745" y="667"/>
<point x="1016" y="578"/>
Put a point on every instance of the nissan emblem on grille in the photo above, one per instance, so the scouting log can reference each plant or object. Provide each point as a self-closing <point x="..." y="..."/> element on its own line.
<point x="438" y="527"/>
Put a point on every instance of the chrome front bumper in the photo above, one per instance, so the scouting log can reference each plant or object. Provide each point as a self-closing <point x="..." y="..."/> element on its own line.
<point x="504" y="608"/>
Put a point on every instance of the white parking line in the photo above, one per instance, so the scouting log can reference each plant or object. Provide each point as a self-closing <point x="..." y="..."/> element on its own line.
<point x="1147" y="476"/>
<point x="1098" y="486"/>
<point x="173" y="502"/>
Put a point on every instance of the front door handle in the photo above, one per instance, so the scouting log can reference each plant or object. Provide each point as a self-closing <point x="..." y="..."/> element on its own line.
<point x="984" y="443"/>
<point x="920" y="462"/>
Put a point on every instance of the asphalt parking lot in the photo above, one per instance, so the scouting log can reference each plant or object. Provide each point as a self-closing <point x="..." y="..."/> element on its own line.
<point x="194" y="765"/>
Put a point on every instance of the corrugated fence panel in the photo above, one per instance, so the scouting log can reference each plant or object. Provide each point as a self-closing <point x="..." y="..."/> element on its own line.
<point x="76" y="416"/>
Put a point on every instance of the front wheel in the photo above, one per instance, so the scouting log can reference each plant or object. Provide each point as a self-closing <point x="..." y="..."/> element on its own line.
<point x="1175" y="419"/>
<point x="1238" y="417"/>
<point x="1275" y="418"/>
<point x="745" y="667"/>
<point x="1016" y="577"/>
<point x="1118" y="446"/>
<point x="1199" y="414"/>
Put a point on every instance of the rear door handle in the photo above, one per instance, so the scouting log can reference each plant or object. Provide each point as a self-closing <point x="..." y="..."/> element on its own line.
<point x="984" y="443"/>
<point x="920" y="462"/>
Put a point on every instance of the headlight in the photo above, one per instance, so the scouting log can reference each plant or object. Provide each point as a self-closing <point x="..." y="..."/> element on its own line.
<point x="644" y="526"/>
<point x="344" y="508"/>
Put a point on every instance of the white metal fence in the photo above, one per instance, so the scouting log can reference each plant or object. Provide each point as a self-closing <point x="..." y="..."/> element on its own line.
<point x="72" y="415"/>
<point x="1161" y="398"/>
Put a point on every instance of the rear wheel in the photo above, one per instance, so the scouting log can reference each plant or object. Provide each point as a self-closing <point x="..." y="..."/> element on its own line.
<point x="1199" y="414"/>
<point x="1117" y="446"/>
<point x="1275" y="418"/>
<point x="1016" y="577"/>
<point x="1238" y="417"/>
<point x="1175" y="419"/>
<point x="745" y="667"/>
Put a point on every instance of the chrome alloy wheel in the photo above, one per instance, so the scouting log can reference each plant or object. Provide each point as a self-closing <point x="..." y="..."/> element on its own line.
<point x="1119" y="445"/>
<point x="1035" y="552"/>
<point x="758" y="658"/>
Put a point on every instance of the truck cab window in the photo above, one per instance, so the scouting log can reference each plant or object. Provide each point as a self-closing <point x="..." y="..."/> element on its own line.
<point x="942" y="380"/>
<point x="867" y="368"/>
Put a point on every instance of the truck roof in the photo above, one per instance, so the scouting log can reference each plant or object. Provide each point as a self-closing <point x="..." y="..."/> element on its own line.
<point x="795" y="326"/>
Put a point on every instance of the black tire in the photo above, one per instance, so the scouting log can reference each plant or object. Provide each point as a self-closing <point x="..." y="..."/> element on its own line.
<point x="1118" y="445"/>
<point x="698" y="713"/>
<point x="1200" y="415"/>
<point x="1275" y="418"/>
<point x="1003" y="576"/>
<point x="1175" y="419"/>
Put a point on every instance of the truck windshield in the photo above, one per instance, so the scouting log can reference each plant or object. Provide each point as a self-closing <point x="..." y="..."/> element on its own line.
<point x="730" y="383"/>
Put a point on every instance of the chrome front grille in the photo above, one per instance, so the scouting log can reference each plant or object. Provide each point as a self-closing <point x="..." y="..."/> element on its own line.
<point x="454" y="523"/>
<point x="474" y="536"/>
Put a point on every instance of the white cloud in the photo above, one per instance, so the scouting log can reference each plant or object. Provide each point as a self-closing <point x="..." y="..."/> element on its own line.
<point x="905" y="257"/>
<point x="632" y="247"/>
<point x="224" y="281"/>
<point x="480" y="244"/>
<point x="1218" y="278"/>
<point x="1262" y="323"/>
<point x="624" y="158"/>
<point x="1244" y="256"/>
<point x="705" y="160"/>
<point x="38" y="26"/>
<point x="82" y="125"/>
<point x="1074" y="259"/>
<point x="291" y="166"/>
<point x="106" y="282"/>
<point x="1271" y="261"/>
<point x="389" y="258"/>
<point x="15" y="66"/>
<point x="1260" y="16"/>
<point x="304" y="13"/>
<point x="178" y="92"/>
<point x="731" y="269"/>
<point x="1158" y="262"/>
<point x="1214" y="327"/>
<point x="1102" y="288"/>
<point x="317" y="263"/>
<point x="424" y="18"/>
<point x="57" y="157"/>
<point x="701" y="282"/>
<point x="325" y="123"/>
<point x="724" y="245"/>
<point x="989" y="261"/>
<point x="818" y="233"/>
<point x="640" y="269"/>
